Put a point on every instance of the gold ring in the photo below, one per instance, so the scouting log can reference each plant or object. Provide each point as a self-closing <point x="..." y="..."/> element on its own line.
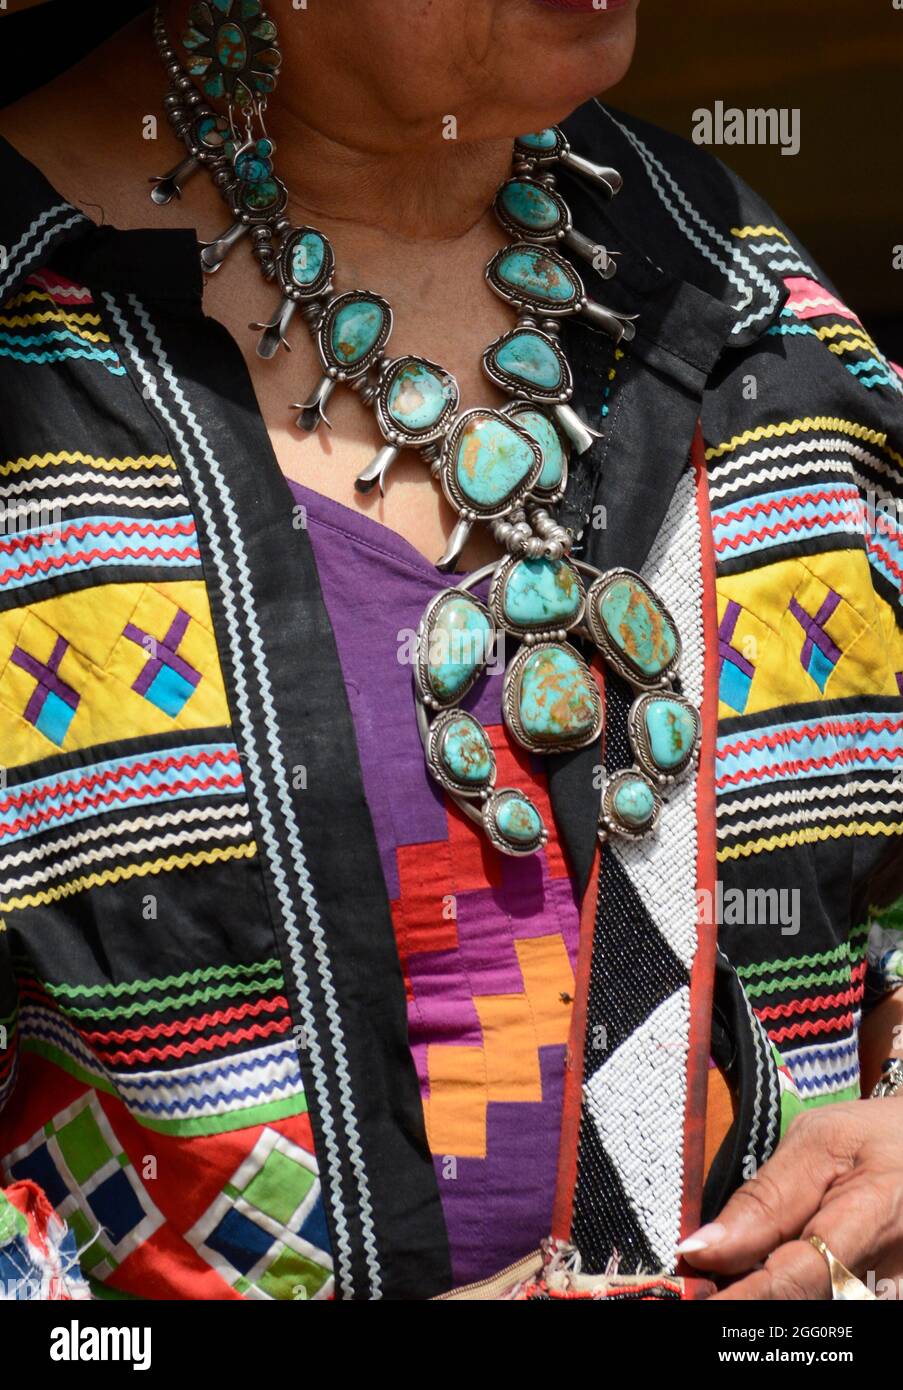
<point x="845" y="1287"/>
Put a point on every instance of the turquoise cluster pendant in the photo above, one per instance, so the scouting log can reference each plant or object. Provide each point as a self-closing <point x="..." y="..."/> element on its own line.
<point x="551" y="702"/>
<point x="506" y="468"/>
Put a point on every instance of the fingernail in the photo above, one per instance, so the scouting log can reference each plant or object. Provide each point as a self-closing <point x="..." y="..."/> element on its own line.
<point x="703" y="1238"/>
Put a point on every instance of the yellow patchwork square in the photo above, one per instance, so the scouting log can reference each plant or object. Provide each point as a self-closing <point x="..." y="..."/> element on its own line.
<point x="832" y="635"/>
<point x="743" y="642"/>
<point x="42" y="687"/>
<point x="141" y="658"/>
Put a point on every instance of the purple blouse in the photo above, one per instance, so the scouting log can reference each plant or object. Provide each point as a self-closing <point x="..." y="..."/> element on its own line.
<point x="487" y="943"/>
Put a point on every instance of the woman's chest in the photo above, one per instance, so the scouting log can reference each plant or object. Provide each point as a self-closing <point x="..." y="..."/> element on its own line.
<point x="432" y="319"/>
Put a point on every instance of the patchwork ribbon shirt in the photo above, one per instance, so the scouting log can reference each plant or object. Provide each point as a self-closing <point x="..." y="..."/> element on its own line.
<point x="245" y="1049"/>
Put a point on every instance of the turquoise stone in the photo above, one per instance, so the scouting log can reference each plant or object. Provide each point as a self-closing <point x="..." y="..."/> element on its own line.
<point x="518" y="821"/>
<point x="355" y="329"/>
<point x="541" y="593"/>
<point x="261" y="195"/>
<point x="417" y="397"/>
<point x="266" y="30"/>
<point x="540" y="428"/>
<point x="209" y="131"/>
<point x="193" y="38"/>
<point x="633" y="802"/>
<point x="214" y="86"/>
<point x="197" y="65"/>
<point x="557" y="698"/>
<point x="250" y="169"/>
<point x="308" y="255"/>
<point x="491" y="460"/>
<point x="533" y="271"/>
<point x="529" y="358"/>
<point x="539" y="139"/>
<point x="530" y="206"/>
<point x="459" y="641"/>
<point x="466" y="753"/>
<point x="671" y="729"/>
<point x="231" y="47"/>
<point x="638" y="626"/>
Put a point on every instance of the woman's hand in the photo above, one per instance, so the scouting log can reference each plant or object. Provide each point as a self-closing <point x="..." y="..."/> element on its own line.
<point x="837" y="1174"/>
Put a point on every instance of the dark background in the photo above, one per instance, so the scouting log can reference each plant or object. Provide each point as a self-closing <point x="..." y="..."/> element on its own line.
<point x="839" y="61"/>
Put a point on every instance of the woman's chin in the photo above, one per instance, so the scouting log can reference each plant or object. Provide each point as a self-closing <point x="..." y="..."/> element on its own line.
<point x="572" y="74"/>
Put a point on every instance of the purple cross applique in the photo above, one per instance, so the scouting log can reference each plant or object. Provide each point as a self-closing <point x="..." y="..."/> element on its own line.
<point x="736" y="672"/>
<point x="53" y="703"/>
<point x="819" y="655"/>
<point x="167" y="680"/>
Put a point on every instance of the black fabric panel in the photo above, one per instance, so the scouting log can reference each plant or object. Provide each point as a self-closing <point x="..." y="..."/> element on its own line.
<point x="104" y="935"/>
<point x="34" y="196"/>
<point x="317" y="734"/>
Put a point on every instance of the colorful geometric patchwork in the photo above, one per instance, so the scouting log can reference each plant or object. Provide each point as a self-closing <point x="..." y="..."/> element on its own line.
<point x="53" y="703"/>
<point x="78" y="1162"/>
<point x="190" y="1054"/>
<point x="844" y="335"/>
<point x="736" y="672"/>
<point x="768" y="612"/>
<point x="167" y="680"/>
<point x="97" y="542"/>
<point x="810" y="1007"/>
<point x="819" y="654"/>
<point x="97" y="653"/>
<point x="266" y="1233"/>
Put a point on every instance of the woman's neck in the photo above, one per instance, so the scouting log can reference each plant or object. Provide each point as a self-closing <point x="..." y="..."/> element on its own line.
<point x="347" y="154"/>
<point x="381" y="184"/>
<point x="430" y="193"/>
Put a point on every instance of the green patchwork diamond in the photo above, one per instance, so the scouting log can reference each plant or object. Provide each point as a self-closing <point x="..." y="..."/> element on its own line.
<point x="279" y="1187"/>
<point x="84" y="1147"/>
<point x="290" y="1273"/>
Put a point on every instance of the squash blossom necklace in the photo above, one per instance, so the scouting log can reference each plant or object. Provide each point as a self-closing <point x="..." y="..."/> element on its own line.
<point x="506" y="468"/>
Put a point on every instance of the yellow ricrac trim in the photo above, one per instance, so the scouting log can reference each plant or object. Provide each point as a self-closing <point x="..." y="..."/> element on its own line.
<point x="831" y="330"/>
<point x="759" y="231"/>
<point x="32" y="297"/>
<point x="816" y="422"/>
<point x="74" y="321"/>
<point x="809" y="835"/>
<point x="852" y="345"/>
<point x="20" y="465"/>
<point x="151" y="866"/>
